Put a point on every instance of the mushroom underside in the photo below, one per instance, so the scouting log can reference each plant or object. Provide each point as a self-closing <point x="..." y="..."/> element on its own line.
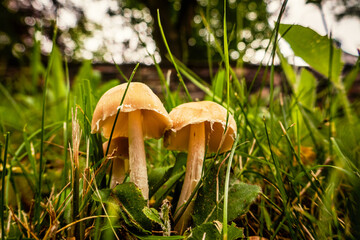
<point x="150" y="130"/>
<point x="178" y="140"/>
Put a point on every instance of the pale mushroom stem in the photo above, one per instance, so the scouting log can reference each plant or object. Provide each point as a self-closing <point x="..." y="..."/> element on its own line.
<point x="196" y="153"/>
<point x="137" y="159"/>
<point x="119" y="169"/>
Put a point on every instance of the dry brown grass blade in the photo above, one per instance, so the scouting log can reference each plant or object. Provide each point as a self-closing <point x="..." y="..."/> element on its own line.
<point x="17" y="220"/>
<point x="80" y="220"/>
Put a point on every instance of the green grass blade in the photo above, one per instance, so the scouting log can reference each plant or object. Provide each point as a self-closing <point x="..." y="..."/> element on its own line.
<point x="276" y="162"/>
<point x="41" y="167"/>
<point x="208" y="47"/>
<point x="170" y="101"/>
<point x="227" y="71"/>
<point x="119" y="70"/>
<point x="272" y="69"/>
<point x="29" y="152"/>
<point x="66" y="125"/>
<point x="226" y="190"/>
<point x="119" y="109"/>
<point x="12" y="101"/>
<point x="330" y="97"/>
<point x="172" y="58"/>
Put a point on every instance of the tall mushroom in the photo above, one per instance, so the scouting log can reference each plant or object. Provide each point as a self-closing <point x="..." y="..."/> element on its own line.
<point x="142" y="115"/>
<point x="197" y="125"/>
<point x="119" y="154"/>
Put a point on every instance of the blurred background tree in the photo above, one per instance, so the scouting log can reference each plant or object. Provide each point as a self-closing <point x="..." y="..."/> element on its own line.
<point x="127" y="31"/>
<point x="84" y="31"/>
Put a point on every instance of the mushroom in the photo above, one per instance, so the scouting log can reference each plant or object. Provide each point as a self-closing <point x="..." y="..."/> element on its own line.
<point x="142" y="116"/>
<point x="197" y="126"/>
<point x="119" y="153"/>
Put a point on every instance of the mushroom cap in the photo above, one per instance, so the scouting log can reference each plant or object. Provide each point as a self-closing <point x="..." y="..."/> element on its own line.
<point x="139" y="97"/>
<point x="214" y="117"/>
<point x="119" y="147"/>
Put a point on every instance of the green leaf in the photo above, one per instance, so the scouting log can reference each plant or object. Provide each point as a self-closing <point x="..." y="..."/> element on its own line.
<point x="306" y="89"/>
<point x="288" y="69"/>
<point x="212" y="231"/>
<point x="219" y="83"/>
<point x="234" y="232"/>
<point x="241" y="196"/>
<point x="205" y="231"/>
<point x="350" y="78"/>
<point x="57" y="82"/>
<point x="156" y="176"/>
<point x="313" y="49"/>
<point x="153" y="215"/>
<point x="103" y="196"/>
<point x="162" y="183"/>
<point x="132" y="202"/>
<point x="166" y="188"/>
<point x="160" y="237"/>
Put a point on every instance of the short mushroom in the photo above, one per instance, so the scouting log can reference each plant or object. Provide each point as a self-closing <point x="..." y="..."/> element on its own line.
<point x="197" y="126"/>
<point x="142" y="116"/>
<point x="119" y="154"/>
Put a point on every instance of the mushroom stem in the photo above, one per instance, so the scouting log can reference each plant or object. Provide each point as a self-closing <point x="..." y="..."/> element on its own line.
<point x="196" y="153"/>
<point x="137" y="159"/>
<point x="119" y="169"/>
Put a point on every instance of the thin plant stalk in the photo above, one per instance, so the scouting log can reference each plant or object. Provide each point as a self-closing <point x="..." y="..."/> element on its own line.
<point x="2" y="205"/>
<point x="208" y="48"/>
<point x="76" y="137"/>
<point x="39" y="188"/>
<point x="272" y="69"/>
<point x="66" y="124"/>
<point x="227" y="66"/>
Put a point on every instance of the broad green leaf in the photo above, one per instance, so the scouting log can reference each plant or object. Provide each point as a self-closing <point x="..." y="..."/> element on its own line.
<point x="57" y="82"/>
<point x="206" y="231"/>
<point x="212" y="231"/>
<point x="350" y="78"/>
<point x="133" y="203"/>
<point x="219" y="83"/>
<point x="37" y="68"/>
<point x="155" y="176"/>
<point x="313" y="49"/>
<point x="234" y="232"/>
<point x="160" y="237"/>
<point x="103" y="196"/>
<point x="241" y="196"/>
<point x="130" y="202"/>
<point x="306" y="89"/>
<point x="288" y="69"/>
<point x="165" y="189"/>
<point x="206" y="207"/>
<point x="161" y="183"/>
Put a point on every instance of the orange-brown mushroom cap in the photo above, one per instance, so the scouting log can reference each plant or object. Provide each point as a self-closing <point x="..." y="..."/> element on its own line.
<point x="214" y="117"/>
<point x="138" y="97"/>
